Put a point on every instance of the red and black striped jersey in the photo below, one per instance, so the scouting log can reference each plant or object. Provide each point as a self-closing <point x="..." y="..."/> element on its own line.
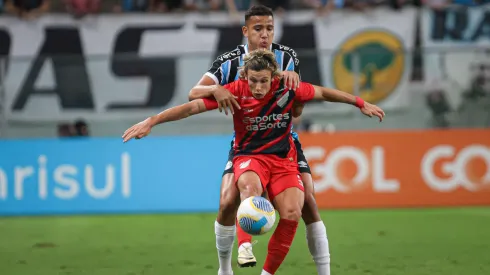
<point x="263" y="126"/>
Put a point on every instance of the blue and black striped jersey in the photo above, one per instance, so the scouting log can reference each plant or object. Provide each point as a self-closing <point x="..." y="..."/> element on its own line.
<point x="225" y="68"/>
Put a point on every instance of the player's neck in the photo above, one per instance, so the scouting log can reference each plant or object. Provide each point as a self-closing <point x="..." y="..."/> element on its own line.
<point x="251" y="48"/>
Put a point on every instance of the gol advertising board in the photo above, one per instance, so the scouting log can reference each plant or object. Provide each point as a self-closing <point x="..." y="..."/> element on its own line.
<point x="400" y="169"/>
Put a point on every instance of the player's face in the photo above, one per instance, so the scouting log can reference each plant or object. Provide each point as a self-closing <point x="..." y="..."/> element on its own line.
<point x="259" y="31"/>
<point x="259" y="82"/>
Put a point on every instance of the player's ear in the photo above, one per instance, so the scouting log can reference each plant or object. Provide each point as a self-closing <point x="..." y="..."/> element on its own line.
<point x="245" y="31"/>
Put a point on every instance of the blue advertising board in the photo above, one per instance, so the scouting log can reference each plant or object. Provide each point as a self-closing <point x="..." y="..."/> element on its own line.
<point x="99" y="175"/>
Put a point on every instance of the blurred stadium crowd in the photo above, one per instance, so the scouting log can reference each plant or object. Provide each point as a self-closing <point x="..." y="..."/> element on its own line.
<point x="34" y="8"/>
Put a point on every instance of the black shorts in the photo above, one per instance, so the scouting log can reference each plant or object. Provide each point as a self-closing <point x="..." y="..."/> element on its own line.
<point x="303" y="165"/>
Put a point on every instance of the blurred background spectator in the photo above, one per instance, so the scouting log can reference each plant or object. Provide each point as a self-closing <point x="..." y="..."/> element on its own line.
<point x="202" y="5"/>
<point x="235" y="6"/>
<point x="134" y="5"/>
<point x="65" y="130"/>
<point x="78" y="129"/>
<point x="324" y="7"/>
<point x="276" y="5"/>
<point x="439" y="106"/>
<point x="436" y="4"/>
<point x="81" y="128"/>
<point x="470" y="3"/>
<point x="27" y="9"/>
<point x="168" y="5"/>
<point x="80" y="8"/>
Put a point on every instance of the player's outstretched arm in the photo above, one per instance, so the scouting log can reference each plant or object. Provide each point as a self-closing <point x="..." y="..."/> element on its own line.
<point x="143" y="128"/>
<point x="197" y="94"/>
<point x="333" y="95"/>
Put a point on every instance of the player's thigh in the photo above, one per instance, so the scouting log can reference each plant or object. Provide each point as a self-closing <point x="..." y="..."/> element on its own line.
<point x="251" y="176"/>
<point x="287" y="193"/>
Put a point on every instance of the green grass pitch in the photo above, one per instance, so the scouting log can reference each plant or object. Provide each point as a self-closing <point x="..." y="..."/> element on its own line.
<point x="377" y="242"/>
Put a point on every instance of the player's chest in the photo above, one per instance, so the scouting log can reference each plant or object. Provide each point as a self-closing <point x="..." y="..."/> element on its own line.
<point x="278" y="101"/>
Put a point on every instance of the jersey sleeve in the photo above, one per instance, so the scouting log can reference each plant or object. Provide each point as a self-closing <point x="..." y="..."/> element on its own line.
<point x="210" y="103"/>
<point x="220" y="70"/>
<point x="233" y="87"/>
<point x="215" y="72"/>
<point x="292" y="61"/>
<point x="305" y="92"/>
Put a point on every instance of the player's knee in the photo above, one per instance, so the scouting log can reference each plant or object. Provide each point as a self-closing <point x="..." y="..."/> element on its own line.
<point x="229" y="201"/>
<point x="291" y="212"/>
<point x="289" y="204"/>
<point x="249" y="190"/>
<point x="249" y="185"/>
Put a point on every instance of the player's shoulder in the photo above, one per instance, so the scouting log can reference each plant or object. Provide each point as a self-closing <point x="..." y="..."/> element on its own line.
<point x="236" y="53"/>
<point x="239" y="86"/>
<point x="284" y="48"/>
<point x="242" y="84"/>
<point x="277" y="85"/>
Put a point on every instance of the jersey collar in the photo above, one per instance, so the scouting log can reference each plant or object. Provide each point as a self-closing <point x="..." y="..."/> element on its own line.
<point x="246" y="48"/>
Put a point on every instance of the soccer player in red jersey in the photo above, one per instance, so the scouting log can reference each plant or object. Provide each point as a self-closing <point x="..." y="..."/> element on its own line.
<point x="265" y="155"/>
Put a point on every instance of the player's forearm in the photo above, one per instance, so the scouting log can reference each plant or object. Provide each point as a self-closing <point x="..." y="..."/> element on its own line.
<point x="334" y="95"/>
<point x="202" y="91"/>
<point x="177" y="113"/>
<point x="298" y="108"/>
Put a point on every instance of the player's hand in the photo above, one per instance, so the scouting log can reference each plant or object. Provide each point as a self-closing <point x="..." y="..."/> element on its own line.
<point x="291" y="80"/>
<point x="371" y="110"/>
<point x="298" y="108"/>
<point x="225" y="100"/>
<point x="137" y="131"/>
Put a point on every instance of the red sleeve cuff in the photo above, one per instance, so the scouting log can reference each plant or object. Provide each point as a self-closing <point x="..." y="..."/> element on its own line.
<point x="210" y="103"/>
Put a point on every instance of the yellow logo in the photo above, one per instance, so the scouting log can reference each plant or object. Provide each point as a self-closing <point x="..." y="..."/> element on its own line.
<point x="378" y="56"/>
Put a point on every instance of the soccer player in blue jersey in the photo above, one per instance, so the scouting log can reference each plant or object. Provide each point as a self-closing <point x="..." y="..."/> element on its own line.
<point x="259" y="31"/>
